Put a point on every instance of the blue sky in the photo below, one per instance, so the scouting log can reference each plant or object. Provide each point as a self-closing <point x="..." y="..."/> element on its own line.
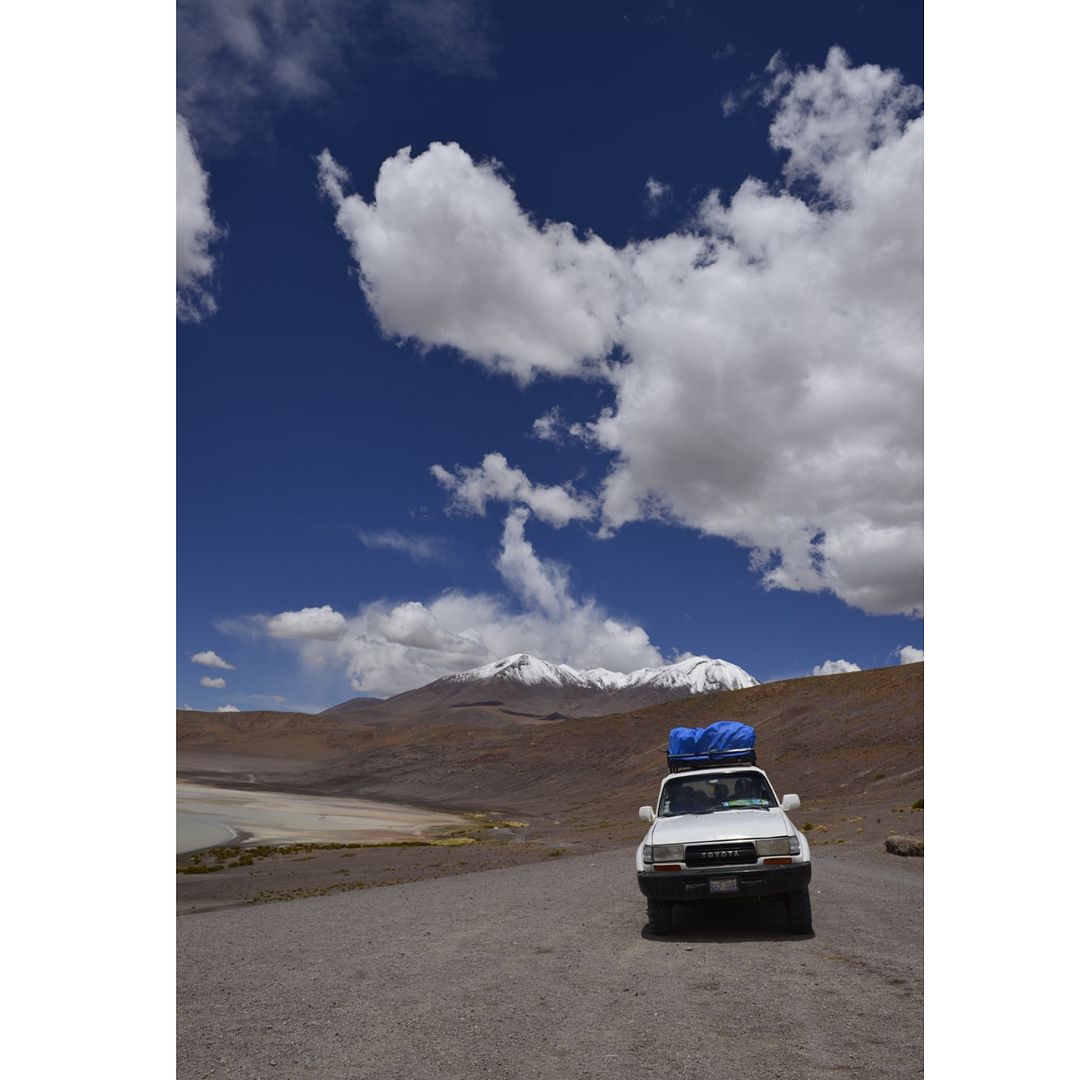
<point x="684" y="417"/>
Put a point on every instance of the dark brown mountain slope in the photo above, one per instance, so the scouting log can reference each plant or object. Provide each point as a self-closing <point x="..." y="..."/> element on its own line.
<point x="826" y="737"/>
<point x="822" y="737"/>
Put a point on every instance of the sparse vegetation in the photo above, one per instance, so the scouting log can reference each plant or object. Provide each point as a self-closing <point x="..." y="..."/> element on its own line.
<point x="917" y="805"/>
<point x="236" y="856"/>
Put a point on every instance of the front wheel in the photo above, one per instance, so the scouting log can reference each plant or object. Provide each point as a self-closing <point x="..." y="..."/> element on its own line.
<point x="800" y="920"/>
<point x="660" y="916"/>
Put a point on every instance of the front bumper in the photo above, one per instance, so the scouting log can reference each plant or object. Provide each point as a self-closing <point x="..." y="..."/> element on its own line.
<point x="751" y="881"/>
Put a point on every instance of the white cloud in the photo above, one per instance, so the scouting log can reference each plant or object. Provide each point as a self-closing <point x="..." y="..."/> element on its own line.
<point x="908" y="654"/>
<point x="196" y="231"/>
<point x="448" y="257"/>
<point x="551" y="427"/>
<point x="420" y="548"/>
<point x="769" y="384"/>
<point x="319" y="624"/>
<point x="731" y="102"/>
<point x="389" y="648"/>
<point x="494" y="479"/>
<point x="835" y="667"/>
<point x="540" y="584"/>
<point x="227" y="708"/>
<point x="209" y="658"/>
<point x="656" y="189"/>
<point x="212" y="684"/>
<point x="548" y="427"/>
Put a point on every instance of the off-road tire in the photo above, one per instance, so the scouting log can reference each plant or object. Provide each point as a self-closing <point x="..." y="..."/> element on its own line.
<point x="800" y="920"/>
<point x="660" y="916"/>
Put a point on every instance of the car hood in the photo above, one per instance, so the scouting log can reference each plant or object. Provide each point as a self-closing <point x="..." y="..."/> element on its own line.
<point x="746" y="824"/>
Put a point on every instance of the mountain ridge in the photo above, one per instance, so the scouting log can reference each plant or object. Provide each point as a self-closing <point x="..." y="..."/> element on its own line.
<point x="523" y="689"/>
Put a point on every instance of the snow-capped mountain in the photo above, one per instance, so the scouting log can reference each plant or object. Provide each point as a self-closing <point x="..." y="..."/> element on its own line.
<point x="522" y="689"/>
<point x="694" y="675"/>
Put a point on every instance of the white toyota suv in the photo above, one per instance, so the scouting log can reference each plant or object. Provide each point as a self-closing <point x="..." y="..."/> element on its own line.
<point x="719" y="834"/>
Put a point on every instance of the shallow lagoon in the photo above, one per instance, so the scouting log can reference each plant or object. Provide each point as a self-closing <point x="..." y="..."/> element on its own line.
<point x="209" y="816"/>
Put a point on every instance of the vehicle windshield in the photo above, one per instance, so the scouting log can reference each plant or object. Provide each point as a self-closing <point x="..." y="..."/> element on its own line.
<point x="707" y="794"/>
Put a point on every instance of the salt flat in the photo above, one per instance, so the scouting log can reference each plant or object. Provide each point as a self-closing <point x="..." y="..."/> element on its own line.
<point x="274" y="817"/>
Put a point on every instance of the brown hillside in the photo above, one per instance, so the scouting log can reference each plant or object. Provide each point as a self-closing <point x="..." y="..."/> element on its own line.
<point x="855" y="736"/>
<point x="295" y="736"/>
<point x="822" y="737"/>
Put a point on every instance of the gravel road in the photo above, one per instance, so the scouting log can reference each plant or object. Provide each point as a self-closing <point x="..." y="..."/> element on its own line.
<point x="548" y="970"/>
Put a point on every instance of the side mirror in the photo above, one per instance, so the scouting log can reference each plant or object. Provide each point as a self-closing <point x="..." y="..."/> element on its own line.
<point x="646" y="814"/>
<point x="790" y="802"/>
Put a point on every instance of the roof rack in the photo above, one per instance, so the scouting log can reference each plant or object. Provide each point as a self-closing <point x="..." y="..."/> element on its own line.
<point x="723" y="742"/>
<point x="682" y="762"/>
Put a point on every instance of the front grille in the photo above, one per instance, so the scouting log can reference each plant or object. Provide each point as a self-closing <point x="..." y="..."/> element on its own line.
<point x="720" y="854"/>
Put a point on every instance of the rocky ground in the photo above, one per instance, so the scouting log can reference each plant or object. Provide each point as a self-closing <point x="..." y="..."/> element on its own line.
<point x="548" y="970"/>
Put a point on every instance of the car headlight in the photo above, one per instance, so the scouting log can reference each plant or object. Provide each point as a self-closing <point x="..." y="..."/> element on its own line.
<point x="777" y="845"/>
<point x="668" y="853"/>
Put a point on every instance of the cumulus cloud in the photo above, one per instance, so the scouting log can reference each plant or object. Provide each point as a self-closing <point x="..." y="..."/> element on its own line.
<point x="318" y="624"/>
<point x="388" y="648"/>
<point x="209" y="658"/>
<point x="908" y="654"/>
<point x="420" y="548"/>
<point x="766" y="362"/>
<point x="227" y="708"/>
<point x="448" y="257"/>
<point x="211" y="683"/>
<point x="835" y="667"/>
<point x="494" y="479"/>
<point x="196" y="231"/>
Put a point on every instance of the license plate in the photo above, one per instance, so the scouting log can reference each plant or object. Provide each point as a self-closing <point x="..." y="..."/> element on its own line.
<point x="724" y="885"/>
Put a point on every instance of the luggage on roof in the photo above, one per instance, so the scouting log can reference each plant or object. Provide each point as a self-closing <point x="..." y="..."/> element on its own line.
<point x="725" y="742"/>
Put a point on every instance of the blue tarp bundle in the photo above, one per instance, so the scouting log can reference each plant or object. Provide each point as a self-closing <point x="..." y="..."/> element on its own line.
<point x="724" y="735"/>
